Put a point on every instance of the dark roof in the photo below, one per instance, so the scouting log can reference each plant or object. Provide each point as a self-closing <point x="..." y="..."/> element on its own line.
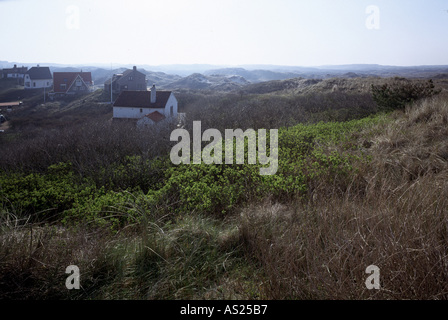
<point x="123" y="75"/>
<point x="15" y="69"/>
<point x="38" y="73"/>
<point x="155" y="116"/>
<point x="142" y="99"/>
<point x="68" y="78"/>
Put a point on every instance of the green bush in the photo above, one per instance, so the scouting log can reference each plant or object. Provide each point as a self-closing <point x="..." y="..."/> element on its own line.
<point x="43" y="196"/>
<point x="219" y="188"/>
<point x="59" y="194"/>
<point x="400" y="92"/>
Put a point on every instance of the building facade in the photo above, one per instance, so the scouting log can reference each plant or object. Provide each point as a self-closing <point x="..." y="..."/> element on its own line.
<point x="140" y="104"/>
<point x="72" y="83"/>
<point x="130" y="80"/>
<point x="38" y="77"/>
<point x="14" y="73"/>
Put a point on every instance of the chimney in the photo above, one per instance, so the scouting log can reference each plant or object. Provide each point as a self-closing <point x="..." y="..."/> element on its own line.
<point x="153" y="94"/>
<point x="135" y="68"/>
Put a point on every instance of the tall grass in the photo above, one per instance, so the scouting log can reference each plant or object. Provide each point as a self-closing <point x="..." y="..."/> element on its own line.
<point x="388" y="210"/>
<point x="394" y="214"/>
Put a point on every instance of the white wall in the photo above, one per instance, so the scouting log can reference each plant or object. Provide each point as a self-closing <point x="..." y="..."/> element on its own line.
<point x="45" y="83"/>
<point x="132" y="113"/>
<point x="172" y="101"/>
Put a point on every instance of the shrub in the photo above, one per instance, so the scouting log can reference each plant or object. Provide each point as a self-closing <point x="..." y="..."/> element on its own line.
<point x="400" y="92"/>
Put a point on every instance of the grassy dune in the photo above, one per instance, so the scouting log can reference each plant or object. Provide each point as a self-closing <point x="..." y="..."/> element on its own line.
<point x="348" y="194"/>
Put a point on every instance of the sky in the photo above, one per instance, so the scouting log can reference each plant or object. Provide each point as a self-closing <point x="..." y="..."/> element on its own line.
<point x="225" y="32"/>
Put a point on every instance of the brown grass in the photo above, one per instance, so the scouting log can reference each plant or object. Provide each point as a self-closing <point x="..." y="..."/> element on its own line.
<point x="392" y="212"/>
<point x="34" y="258"/>
<point x="394" y="215"/>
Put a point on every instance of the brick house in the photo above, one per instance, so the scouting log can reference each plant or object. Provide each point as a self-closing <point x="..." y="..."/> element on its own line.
<point x="72" y="83"/>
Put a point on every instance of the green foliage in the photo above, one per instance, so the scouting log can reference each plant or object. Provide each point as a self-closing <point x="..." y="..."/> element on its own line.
<point x="397" y="94"/>
<point x="135" y="187"/>
<point x="60" y="194"/>
<point x="43" y="195"/>
<point x="218" y="188"/>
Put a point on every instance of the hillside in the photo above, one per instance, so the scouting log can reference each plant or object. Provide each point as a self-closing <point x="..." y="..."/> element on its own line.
<point x="227" y="78"/>
<point x="35" y="115"/>
<point x="342" y="84"/>
<point x="354" y="187"/>
<point x="347" y="195"/>
<point x="199" y="81"/>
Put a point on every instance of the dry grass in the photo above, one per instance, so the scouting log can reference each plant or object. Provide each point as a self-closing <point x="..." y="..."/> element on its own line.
<point x="393" y="215"/>
<point x="33" y="259"/>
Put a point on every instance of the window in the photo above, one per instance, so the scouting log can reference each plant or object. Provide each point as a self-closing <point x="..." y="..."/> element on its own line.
<point x="131" y="78"/>
<point x="141" y="110"/>
<point x="78" y="83"/>
<point x="171" y="111"/>
<point x="34" y="84"/>
<point x="63" y="86"/>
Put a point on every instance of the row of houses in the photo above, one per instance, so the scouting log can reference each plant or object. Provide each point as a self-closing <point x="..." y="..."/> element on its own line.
<point x="57" y="83"/>
<point x="134" y="102"/>
<point x="73" y="82"/>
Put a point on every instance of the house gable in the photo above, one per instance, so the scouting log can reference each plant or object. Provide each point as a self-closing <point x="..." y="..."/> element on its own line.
<point x="66" y="81"/>
<point x="132" y="80"/>
<point x="129" y="80"/>
<point x="78" y="85"/>
<point x="156" y="116"/>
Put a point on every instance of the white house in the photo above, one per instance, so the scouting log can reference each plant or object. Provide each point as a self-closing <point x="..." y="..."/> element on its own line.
<point x="38" y="77"/>
<point x="143" y="104"/>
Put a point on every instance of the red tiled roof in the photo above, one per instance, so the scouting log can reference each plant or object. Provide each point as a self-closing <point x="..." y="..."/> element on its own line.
<point x="10" y="104"/>
<point x="67" y="78"/>
<point x="155" y="116"/>
<point x="142" y="99"/>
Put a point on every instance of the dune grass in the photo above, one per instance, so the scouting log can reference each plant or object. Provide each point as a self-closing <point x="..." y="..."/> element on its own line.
<point x="375" y="194"/>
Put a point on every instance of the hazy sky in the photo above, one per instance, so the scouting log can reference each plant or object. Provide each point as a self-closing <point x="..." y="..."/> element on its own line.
<point x="225" y="32"/>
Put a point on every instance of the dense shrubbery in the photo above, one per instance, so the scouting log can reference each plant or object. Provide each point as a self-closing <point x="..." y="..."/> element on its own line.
<point x="399" y="93"/>
<point x="347" y="194"/>
<point x="98" y="160"/>
<point x="276" y="111"/>
<point x="201" y="188"/>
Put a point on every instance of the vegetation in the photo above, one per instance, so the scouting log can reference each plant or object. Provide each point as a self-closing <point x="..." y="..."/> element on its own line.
<point x="396" y="95"/>
<point x="354" y="188"/>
